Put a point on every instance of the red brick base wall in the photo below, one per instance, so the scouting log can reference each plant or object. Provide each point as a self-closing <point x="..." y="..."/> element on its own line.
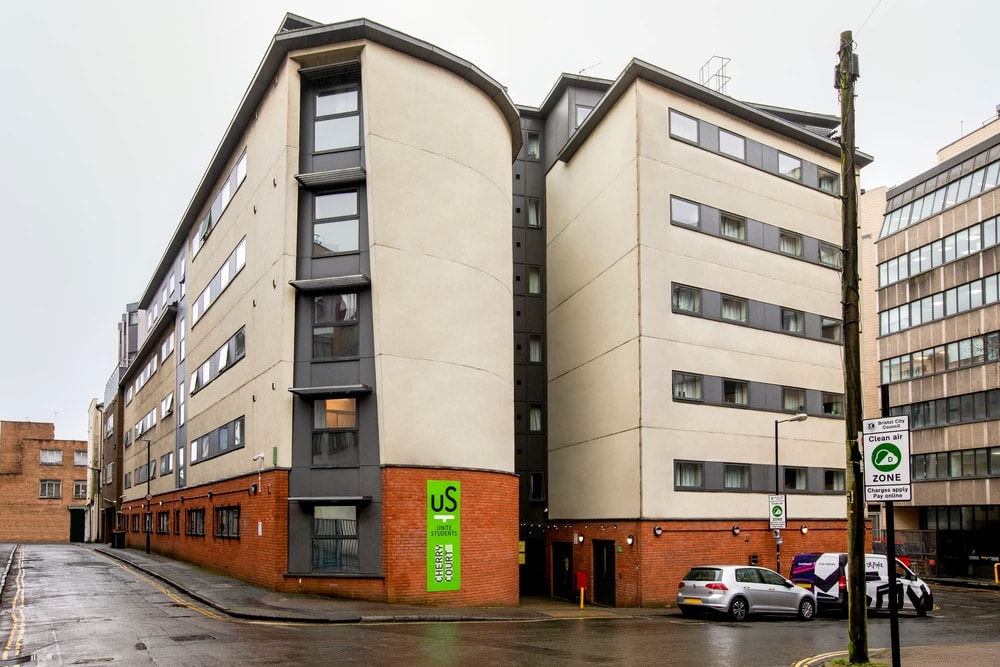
<point x="648" y="570"/>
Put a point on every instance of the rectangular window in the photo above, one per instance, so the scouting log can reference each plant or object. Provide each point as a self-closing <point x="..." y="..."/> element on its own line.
<point x="683" y="127"/>
<point x="834" y="480"/>
<point x="736" y="476"/>
<point x="793" y="400"/>
<point x="166" y="405"/>
<point x="687" y="386"/>
<point x="337" y="123"/>
<point x="534" y="280"/>
<point x="335" y="223"/>
<point x="831" y="329"/>
<point x="335" y="538"/>
<point x="163" y="522"/>
<point x="795" y="479"/>
<point x="335" y="326"/>
<point x="335" y="432"/>
<point x="790" y="244"/>
<point x="534" y="213"/>
<point x="790" y="167"/>
<point x="51" y="457"/>
<point x="49" y="488"/>
<point x="829" y="255"/>
<point x="195" y="523"/>
<point x="227" y="522"/>
<point x="793" y="321"/>
<point x="536" y="486"/>
<point x="735" y="392"/>
<point x="689" y="475"/>
<point x="687" y="299"/>
<point x="535" y="348"/>
<point x="833" y="404"/>
<point x="533" y="146"/>
<point x="80" y="457"/>
<point x="829" y="181"/>
<point x="684" y="212"/>
<point x="733" y="227"/>
<point x="79" y="488"/>
<point x="732" y="145"/>
<point x="734" y="309"/>
<point x="535" y="419"/>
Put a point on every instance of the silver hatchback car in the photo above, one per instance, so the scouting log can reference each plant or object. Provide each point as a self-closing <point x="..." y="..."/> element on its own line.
<point x="738" y="590"/>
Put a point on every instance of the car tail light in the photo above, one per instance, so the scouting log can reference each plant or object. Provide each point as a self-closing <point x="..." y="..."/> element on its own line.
<point x="842" y="584"/>
<point x="716" y="587"/>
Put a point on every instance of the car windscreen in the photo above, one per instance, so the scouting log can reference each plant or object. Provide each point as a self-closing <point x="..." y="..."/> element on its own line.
<point x="703" y="574"/>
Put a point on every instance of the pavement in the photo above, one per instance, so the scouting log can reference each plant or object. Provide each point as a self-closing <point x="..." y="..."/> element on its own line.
<point x="239" y="599"/>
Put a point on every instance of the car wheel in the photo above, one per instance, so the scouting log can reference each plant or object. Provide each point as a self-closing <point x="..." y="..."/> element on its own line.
<point x="807" y="609"/>
<point x="921" y="607"/>
<point x="738" y="609"/>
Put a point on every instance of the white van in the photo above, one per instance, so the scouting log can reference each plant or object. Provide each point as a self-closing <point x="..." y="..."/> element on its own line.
<point x="826" y="575"/>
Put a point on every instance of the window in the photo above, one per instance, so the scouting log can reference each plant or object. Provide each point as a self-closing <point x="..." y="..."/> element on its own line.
<point x="735" y="392"/>
<point x="829" y="255"/>
<point x="195" y="523"/>
<point x="829" y="181"/>
<point x="533" y="146"/>
<point x="535" y="348"/>
<point x="831" y="329"/>
<point x="534" y="280"/>
<point x="687" y="299"/>
<point x="49" y="488"/>
<point x="793" y="400"/>
<point x="335" y="432"/>
<point x="335" y="538"/>
<point x="177" y="522"/>
<point x="736" y="476"/>
<point x="535" y="418"/>
<point x="834" y="480"/>
<point x="684" y="212"/>
<point x="790" y="244"/>
<point x="687" y="386"/>
<point x="534" y="213"/>
<point x="536" y="486"/>
<point x="732" y="145"/>
<point x="793" y="321"/>
<point x="163" y="522"/>
<point x="734" y="309"/>
<point x="335" y="326"/>
<point x="128" y="480"/>
<point x="833" y="404"/>
<point x="337" y="122"/>
<point x="335" y="226"/>
<point x="166" y="405"/>
<point x="688" y="475"/>
<point x="227" y="521"/>
<point x="79" y="488"/>
<point x="182" y="339"/>
<point x="683" y="127"/>
<point x="232" y="266"/>
<point x="166" y="463"/>
<point x="51" y="457"/>
<point x="582" y="111"/>
<point x="795" y="479"/>
<point x="790" y="167"/>
<point x="167" y="347"/>
<point x="222" y="198"/>
<point x="80" y="457"/>
<point x="733" y="227"/>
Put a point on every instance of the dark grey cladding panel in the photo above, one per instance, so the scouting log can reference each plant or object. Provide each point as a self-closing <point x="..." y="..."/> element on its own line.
<point x="708" y="136"/>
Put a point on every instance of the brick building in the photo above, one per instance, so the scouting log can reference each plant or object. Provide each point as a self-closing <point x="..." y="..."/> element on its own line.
<point x="43" y="484"/>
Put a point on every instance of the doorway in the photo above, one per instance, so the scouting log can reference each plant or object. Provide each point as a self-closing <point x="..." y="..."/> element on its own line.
<point x="77" y="524"/>
<point x="604" y="572"/>
<point x="562" y="570"/>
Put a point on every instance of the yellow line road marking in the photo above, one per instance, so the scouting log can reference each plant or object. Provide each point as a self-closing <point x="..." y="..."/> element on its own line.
<point x="16" y="637"/>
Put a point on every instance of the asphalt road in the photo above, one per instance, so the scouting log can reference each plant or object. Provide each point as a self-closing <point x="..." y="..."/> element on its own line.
<point x="63" y="605"/>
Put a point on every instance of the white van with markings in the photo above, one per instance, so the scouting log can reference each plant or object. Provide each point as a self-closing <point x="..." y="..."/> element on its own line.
<point x="826" y="575"/>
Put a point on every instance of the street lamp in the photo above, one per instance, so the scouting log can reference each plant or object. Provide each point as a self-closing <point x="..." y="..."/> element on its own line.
<point x="801" y="417"/>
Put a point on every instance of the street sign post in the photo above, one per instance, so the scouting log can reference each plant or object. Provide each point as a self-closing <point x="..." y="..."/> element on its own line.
<point x="886" y="445"/>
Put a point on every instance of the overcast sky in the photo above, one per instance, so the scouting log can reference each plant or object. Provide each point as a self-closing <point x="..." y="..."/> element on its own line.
<point x="112" y="110"/>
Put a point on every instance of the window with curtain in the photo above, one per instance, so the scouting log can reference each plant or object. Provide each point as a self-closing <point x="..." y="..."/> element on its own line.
<point x="829" y="255"/>
<point x="535" y="418"/>
<point x="790" y="244"/>
<point x="335" y="326"/>
<point x="736" y="476"/>
<point x="533" y="146"/>
<point x="735" y="392"/>
<point x="534" y="280"/>
<point x="687" y="386"/>
<point x="335" y="432"/>
<point x="534" y="213"/>
<point x="830" y="329"/>
<point x="795" y="479"/>
<point x="828" y="181"/>
<point x="687" y="299"/>
<point x="833" y="404"/>
<point x="833" y="480"/>
<point x="689" y="474"/>
<point x="535" y="348"/>
<point x="733" y="227"/>
<point x="734" y="309"/>
<point x="793" y="400"/>
<point x="793" y="321"/>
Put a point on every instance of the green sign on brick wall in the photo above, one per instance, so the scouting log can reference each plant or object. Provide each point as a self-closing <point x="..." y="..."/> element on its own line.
<point x="444" y="535"/>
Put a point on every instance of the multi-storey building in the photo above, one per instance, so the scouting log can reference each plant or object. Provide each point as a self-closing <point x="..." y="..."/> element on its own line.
<point x="43" y="484"/>
<point x="401" y="315"/>
<point x="939" y="352"/>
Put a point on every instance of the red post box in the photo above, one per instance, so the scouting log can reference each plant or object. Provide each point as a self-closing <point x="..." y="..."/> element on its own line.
<point x="580" y="580"/>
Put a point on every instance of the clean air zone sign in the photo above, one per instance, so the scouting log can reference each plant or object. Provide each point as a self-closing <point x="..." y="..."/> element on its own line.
<point x="886" y="445"/>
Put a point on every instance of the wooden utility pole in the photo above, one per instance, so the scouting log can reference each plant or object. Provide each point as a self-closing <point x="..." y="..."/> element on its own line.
<point x="857" y="621"/>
